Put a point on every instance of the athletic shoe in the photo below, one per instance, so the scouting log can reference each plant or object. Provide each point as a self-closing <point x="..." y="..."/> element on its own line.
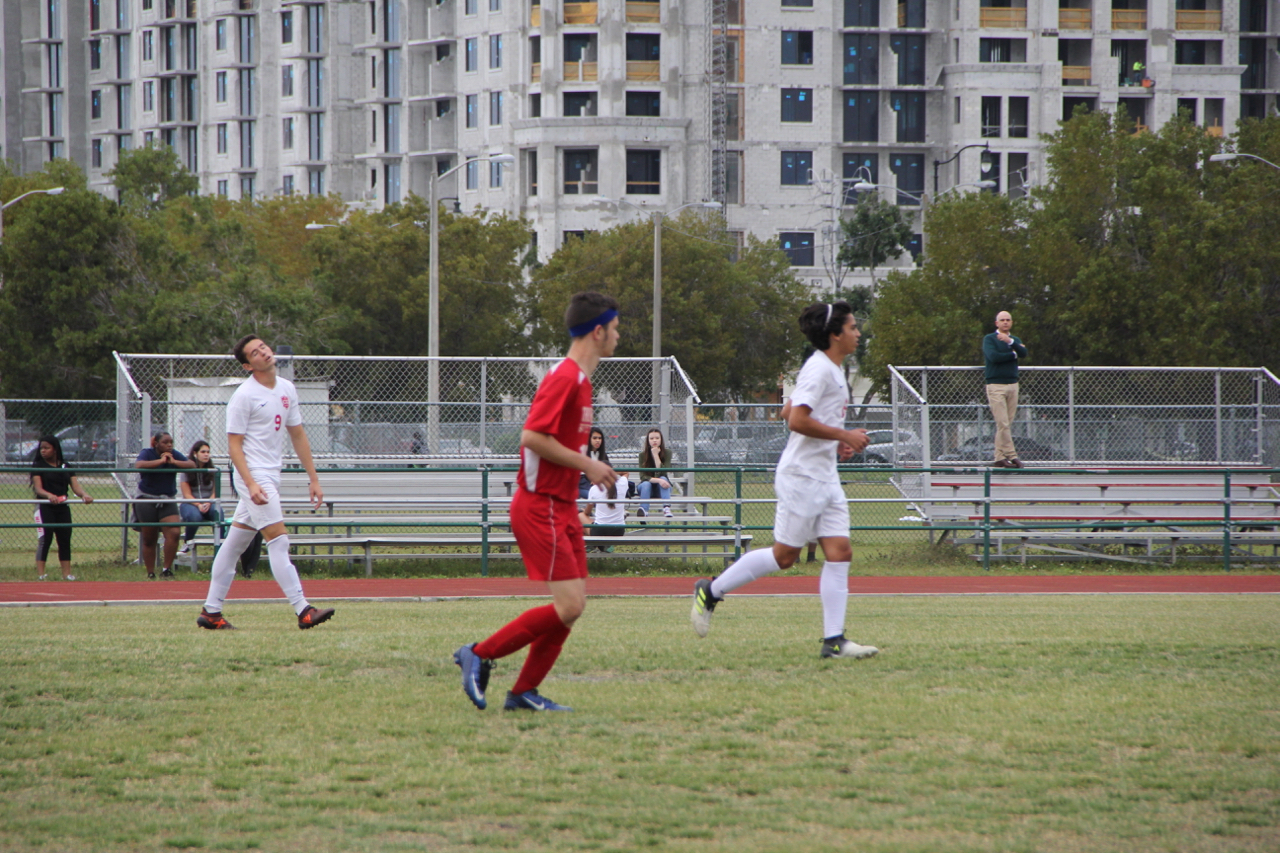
<point x="213" y="621"/>
<point x="475" y="674"/>
<point x="151" y="576"/>
<point x="839" y="647"/>
<point x="312" y="617"/>
<point x="69" y="578"/>
<point x="167" y="574"/>
<point x="186" y="546"/>
<point x="666" y="511"/>
<point x="641" y="514"/>
<point x="530" y="700"/>
<point x="703" y="604"/>
<point x="43" y="578"/>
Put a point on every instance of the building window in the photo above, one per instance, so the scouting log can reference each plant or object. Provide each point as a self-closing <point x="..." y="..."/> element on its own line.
<point x="473" y="174"/>
<point x="220" y="87"/>
<point x="797" y="105"/>
<point x="247" y="186"/>
<point x="95" y="104"/>
<point x="861" y="59"/>
<point x="286" y="80"/>
<point x="644" y="104"/>
<point x="96" y="154"/>
<point x="910" y="51"/>
<point x="1002" y="50"/>
<point x="644" y="47"/>
<point x="578" y="104"/>
<point x="148" y="45"/>
<point x="471" y="51"/>
<point x="222" y="188"/>
<point x="797" y="4"/>
<point x="798" y="246"/>
<point x="286" y="29"/>
<point x="495" y="175"/>
<point x="148" y="96"/>
<point x="1018" y="178"/>
<point x="911" y="13"/>
<point x="220" y="34"/>
<point x="862" y="13"/>
<point x="286" y="135"/>
<point x="1192" y="52"/>
<point x="797" y="168"/>
<point x="248" y="132"/>
<point x="797" y="47"/>
<point x="472" y="108"/>
<point x="95" y="54"/>
<point x="581" y="171"/>
<point x="859" y="167"/>
<point x="495" y="108"/>
<point x="495" y="5"/>
<point x="1018" y="117"/>
<point x="644" y="172"/>
<point x="531" y="169"/>
<point x="287" y="189"/>
<point x="909" y="170"/>
<point x="495" y="51"/>
<point x="861" y="117"/>
<point x="990" y="117"/>
<point x="535" y="105"/>
<point x="470" y="7"/>
<point x="222" y="138"/>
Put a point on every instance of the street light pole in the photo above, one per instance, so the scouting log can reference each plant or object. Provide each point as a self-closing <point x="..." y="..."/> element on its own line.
<point x="12" y="202"/>
<point x="433" y="302"/>
<point x="936" y="163"/>
<point x="1227" y="156"/>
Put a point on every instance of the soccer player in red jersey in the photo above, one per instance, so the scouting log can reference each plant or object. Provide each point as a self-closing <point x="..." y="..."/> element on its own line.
<point x="544" y="511"/>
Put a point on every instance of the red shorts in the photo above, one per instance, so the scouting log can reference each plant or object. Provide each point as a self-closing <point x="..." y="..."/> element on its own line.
<point x="549" y="534"/>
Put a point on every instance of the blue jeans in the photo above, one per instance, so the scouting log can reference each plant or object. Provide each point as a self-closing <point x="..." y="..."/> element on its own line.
<point x="190" y="513"/>
<point x="648" y="488"/>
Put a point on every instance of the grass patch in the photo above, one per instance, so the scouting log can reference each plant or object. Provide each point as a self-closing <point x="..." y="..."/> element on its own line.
<point x="987" y="724"/>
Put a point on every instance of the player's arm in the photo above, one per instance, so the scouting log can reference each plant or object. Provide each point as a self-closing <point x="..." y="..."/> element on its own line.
<point x="801" y="420"/>
<point x="302" y="447"/>
<point x="548" y="448"/>
<point x="235" y="449"/>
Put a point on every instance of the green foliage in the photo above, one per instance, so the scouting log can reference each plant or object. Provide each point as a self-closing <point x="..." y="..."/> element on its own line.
<point x="146" y="178"/>
<point x="1134" y="252"/>
<point x="875" y="232"/>
<point x="728" y="316"/>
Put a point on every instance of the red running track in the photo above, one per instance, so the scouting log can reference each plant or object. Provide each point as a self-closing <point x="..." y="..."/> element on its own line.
<point x="20" y="593"/>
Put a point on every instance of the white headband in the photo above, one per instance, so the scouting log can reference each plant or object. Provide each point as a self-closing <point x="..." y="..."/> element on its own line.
<point x="828" y="320"/>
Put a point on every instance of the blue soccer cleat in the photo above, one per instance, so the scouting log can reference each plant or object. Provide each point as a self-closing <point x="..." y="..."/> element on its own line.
<point x="531" y="701"/>
<point x="475" y="674"/>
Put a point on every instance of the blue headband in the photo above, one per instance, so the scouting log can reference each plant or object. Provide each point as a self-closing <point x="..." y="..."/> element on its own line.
<point x="586" y="328"/>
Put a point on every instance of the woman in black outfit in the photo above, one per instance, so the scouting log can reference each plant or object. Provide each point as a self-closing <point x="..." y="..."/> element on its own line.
<point x="595" y="450"/>
<point x="51" y="484"/>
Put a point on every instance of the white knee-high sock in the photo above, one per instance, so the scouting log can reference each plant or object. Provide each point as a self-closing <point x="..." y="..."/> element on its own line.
<point x="285" y="573"/>
<point x="224" y="566"/>
<point x="833" y="587"/>
<point x="753" y="565"/>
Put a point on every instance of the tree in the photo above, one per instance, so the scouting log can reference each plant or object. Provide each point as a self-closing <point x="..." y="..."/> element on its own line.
<point x="148" y="177"/>
<point x="876" y="232"/>
<point x="1135" y="252"/>
<point x="728" y="315"/>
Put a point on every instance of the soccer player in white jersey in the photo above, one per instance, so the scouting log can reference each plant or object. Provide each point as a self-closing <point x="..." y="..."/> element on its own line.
<point x="811" y="502"/>
<point x="260" y="412"/>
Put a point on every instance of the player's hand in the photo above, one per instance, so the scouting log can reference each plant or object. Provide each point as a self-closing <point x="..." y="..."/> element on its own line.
<point x="257" y="495"/>
<point x="857" y="440"/>
<point x="600" y="473"/>
<point x="166" y="457"/>
<point x="87" y="498"/>
<point x="317" y="495"/>
<point x="844" y="452"/>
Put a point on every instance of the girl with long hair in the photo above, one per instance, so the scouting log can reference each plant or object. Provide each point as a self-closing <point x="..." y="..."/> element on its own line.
<point x="595" y="450"/>
<point x="655" y="455"/>
<point x="199" y="486"/>
<point x="51" y="485"/>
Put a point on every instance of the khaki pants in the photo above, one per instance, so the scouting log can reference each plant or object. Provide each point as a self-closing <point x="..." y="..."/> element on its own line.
<point x="1003" y="400"/>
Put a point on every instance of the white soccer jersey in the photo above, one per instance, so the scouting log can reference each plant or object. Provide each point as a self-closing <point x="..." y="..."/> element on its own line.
<point x="822" y="388"/>
<point x="261" y="415"/>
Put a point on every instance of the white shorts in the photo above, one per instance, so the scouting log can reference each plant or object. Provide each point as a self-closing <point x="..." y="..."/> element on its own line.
<point x="255" y="515"/>
<point x="808" y="510"/>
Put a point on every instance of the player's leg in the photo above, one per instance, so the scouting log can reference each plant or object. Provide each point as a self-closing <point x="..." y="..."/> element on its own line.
<point x="833" y="583"/>
<point x="239" y="535"/>
<point x="282" y="567"/>
<point x="171" y="535"/>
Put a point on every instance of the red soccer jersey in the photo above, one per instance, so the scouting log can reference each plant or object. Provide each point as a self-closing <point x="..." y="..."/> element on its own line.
<point x="561" y="409"/>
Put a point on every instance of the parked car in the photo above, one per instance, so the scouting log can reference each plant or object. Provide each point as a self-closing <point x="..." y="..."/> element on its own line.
<point x="883" y="451"/>
<point x="94" y="442"/>
<point x="981" y="448"/>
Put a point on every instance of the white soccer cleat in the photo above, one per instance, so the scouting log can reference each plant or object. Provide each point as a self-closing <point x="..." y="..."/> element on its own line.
<point x="839" y="647"/>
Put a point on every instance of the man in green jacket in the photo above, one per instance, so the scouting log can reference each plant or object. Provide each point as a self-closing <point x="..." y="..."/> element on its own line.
<point x="1001" y="351"/>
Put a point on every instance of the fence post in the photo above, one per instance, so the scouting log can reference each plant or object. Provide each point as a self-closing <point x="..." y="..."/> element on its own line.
<point x="689" y="423"/>
<point x="484" y="521"/>
<point x="664" y="397"/>
<point x="1226" y="520"/>
<point x="737" y="513"/>
<point x="986" y="520"/>
<point x="1217" y="416"/>
<point x="1071" y="414"/>
<point x="484" y="405"/>
<point x="1258" y="421"/>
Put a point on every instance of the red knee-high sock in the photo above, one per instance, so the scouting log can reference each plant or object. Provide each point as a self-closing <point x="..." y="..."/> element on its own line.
<point x="542" y="656"/>
<point x="520" y="632"/>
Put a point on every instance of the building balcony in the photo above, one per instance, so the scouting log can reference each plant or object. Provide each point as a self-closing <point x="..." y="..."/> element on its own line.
<point x="1077" y="75"/>
<point x="643" y="70"/>
<point x="1199" y="19"/>
<point x="1128" y="19"/>
<point x="643" y="12"/>
<point x="581" y="72"/>
<point x="581" y="13"/>
<point x="994" y="18"/>
<point x="1075" y="19"/>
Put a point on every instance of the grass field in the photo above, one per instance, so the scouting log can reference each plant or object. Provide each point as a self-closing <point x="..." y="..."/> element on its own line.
<point x="1073" y="723"/>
